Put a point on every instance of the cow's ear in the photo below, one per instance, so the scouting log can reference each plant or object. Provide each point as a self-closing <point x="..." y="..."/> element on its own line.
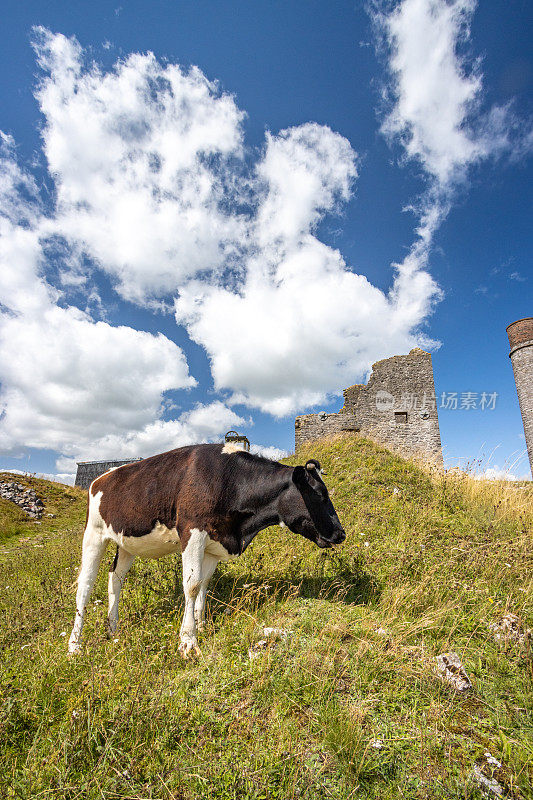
<point x="299" y="476"/>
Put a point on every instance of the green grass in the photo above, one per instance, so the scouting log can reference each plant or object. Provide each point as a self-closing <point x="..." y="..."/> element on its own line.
<point x="66" y="503"/>
<point x="446" y="555"/>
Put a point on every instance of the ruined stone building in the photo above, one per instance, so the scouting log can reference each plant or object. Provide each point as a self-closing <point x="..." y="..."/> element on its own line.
<point x="88" y="471"/>
<point x="397" y="408"/>
<point x="520" y="335"/>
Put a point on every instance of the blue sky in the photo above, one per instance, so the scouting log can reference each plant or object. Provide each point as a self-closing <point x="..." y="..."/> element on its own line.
<point x="205" y="238"/>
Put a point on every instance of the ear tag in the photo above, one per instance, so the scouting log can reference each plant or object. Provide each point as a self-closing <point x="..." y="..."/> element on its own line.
<point x="312" y="466"/>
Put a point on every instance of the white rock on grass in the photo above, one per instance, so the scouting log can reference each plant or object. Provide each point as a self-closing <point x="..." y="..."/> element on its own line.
<point x="25" y="498"/>
<point x="509" y="629"/>
<point x="255" y="650"/>
<point x="490" y="785"/>
<point x="450" y="669"/>
<point x="493" y="762"/>
<point x="271" y="635"/>
<point x="275" y="633"/>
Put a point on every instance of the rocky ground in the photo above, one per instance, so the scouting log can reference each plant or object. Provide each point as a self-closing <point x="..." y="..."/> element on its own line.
<point x="24" y="498"/>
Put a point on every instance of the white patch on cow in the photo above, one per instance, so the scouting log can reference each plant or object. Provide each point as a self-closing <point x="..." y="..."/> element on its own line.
<point x="94" y="517"/>
<point x="209" y="565"/>
<point x="192" y="558"/>
<point x="218" y="550"/>
<point x="160" y="541"/>
<point x="229" y="448"/>
<point x="111" y="469"/>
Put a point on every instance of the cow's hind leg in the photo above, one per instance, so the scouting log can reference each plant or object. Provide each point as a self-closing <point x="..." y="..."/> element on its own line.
<point x="192" y="558"/>
<point x="93" y="549"/>
<point x="209" y="565"/>
<point x="117" y="576"/>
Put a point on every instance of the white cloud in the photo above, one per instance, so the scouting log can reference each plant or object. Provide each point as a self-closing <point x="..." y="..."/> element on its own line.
<point x="435" y="100"/>
<point x="61" y="477"/>
<point x="268" y="451"/>
<point x="147" y="162"/>
<point x="435" y="97"/>
<point x="305" y="171"/>
<point x="150" y="179"/>
<point x="497" y="474"/>
<point x="58" y="477"/>
<point x="204" y="423"/>
<point x="301" y="324"/>
<point x="284" y="345"/>
<point x="434" y="91"/>
<point x="65" y="379"/>
<point x="138" y="160"/>
<point x="85" y="388"/>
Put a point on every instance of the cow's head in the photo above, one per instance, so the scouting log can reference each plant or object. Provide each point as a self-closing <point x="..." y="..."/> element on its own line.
<point x="305" y="507"/>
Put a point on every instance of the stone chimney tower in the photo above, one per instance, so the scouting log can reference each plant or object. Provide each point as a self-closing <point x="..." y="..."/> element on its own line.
<point x="520" y="335"/>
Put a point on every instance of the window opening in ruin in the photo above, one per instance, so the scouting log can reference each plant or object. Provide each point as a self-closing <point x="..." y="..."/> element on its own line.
<point x="400" y="417"/>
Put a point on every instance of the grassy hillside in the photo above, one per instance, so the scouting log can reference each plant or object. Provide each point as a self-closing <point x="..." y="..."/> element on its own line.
<point x="347" y="706"/>
<point x="64" y="508"/>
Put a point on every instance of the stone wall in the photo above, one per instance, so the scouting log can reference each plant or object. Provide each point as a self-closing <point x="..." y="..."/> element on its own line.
<point x="88" y="471"/>
<point x="397" y="408"/>
<point x="521" y="341"/>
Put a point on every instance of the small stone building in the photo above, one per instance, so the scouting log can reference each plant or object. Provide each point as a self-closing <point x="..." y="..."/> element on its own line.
<point x="88" y="471"/>
<point x="397" y="408"/>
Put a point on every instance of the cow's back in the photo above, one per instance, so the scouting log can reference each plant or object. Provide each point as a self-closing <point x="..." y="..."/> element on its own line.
<point x="135" y="497"/>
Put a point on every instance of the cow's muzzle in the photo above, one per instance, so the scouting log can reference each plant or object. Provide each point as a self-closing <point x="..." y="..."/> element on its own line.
<point x="338" y="538"/>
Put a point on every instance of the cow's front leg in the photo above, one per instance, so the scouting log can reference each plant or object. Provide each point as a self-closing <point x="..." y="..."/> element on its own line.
<point x="192" y="559"/>
<point x="208" y="567"/>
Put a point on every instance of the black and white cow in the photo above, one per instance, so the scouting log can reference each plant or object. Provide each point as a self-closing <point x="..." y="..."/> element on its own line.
<point x="208" y="500"/>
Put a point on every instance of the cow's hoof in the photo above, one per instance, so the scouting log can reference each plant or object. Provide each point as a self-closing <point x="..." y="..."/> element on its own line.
<point x="109" y="630"/>
<point x="74" y="649"/>
<point x="189" y="646"/>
